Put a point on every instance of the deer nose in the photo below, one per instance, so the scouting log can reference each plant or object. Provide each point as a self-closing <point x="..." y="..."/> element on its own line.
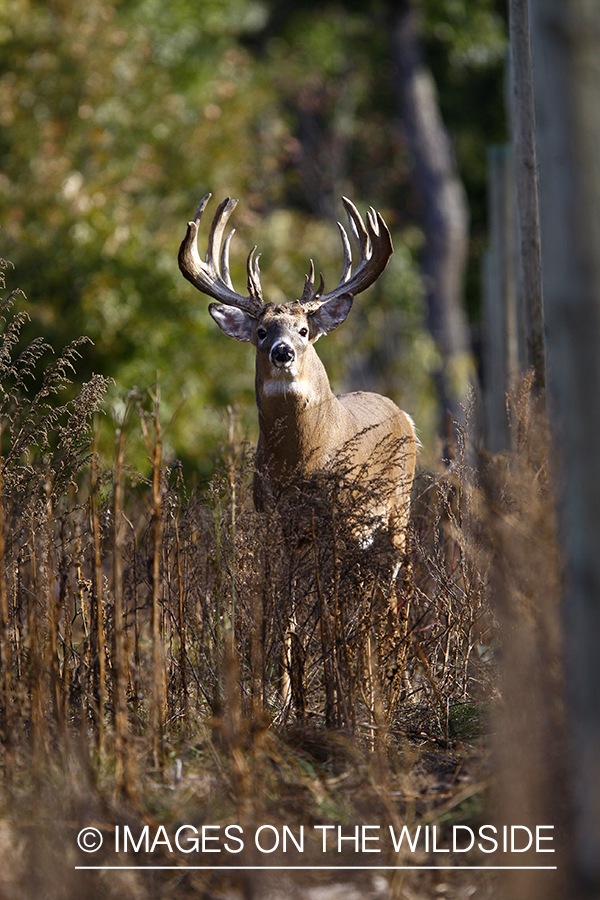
<point x="282" y="353"/>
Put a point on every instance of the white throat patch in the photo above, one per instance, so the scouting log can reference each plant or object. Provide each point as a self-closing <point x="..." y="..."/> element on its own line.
<point x="285" y="381"/>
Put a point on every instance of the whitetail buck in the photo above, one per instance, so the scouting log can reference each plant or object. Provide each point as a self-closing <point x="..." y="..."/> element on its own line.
<point x="305" y="430"/>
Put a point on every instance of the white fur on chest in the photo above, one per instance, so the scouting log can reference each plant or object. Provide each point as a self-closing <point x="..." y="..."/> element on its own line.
<point x="286" y="382"/>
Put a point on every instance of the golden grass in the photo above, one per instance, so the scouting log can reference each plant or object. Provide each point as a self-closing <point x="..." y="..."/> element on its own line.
<point x="150" y="632"/>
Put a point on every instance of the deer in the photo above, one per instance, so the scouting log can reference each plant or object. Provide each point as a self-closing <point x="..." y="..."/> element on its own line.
<point x="304" y="428"/>
<point x="306" y="432"/>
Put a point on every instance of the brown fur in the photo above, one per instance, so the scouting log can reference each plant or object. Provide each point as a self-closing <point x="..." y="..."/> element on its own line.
<point x="306" y="430"/>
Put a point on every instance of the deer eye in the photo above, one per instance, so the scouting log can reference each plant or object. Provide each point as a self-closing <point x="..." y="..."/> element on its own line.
<point x="261" y="333"/>
<point x="303" y="332"/>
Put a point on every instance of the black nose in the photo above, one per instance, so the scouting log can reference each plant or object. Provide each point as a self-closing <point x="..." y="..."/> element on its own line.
<point x="282" y="353"/>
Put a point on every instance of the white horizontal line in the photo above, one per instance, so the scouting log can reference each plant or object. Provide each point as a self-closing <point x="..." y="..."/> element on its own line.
<point x="325" y="868"/>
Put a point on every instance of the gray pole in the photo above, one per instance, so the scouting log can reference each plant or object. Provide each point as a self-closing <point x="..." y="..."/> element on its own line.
<point x="566" y="57"/>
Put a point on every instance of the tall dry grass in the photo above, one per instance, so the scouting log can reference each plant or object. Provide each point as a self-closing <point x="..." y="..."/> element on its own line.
<point x="168" y="656"/>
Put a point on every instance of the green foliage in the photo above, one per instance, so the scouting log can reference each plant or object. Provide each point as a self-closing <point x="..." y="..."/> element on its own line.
<point x="110" y="114"/>
<point x="465" y="721"/>
<point x="466" y="46"/>
<point x="46" y="442"/>
<point x="116" y="117"/>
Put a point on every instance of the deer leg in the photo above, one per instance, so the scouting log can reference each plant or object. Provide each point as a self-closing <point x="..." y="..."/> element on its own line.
<point x="286" y="682"/>
<point x="286" y="690"/>
<point x="297" y="658"/>
<point x="292" y="680"/>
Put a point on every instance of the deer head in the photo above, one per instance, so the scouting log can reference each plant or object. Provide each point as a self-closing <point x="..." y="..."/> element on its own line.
<point x="283" y="334"/>
<point x="303" y="427"/>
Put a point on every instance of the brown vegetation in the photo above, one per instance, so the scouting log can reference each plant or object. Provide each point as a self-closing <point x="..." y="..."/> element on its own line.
<point x="148" y="630"/>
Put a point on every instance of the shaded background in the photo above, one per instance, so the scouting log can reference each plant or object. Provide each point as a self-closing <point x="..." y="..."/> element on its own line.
<point x="117" y="117"/>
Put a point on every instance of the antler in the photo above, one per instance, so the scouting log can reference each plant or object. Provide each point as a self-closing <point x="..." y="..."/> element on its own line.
<point x="212" y="276"/>
<point x="375" y="246"/>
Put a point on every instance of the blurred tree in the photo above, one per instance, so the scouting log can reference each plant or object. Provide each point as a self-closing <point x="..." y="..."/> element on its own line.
<point x="444" y="212"/>
<point x="116" y="117"/>
<point x="113" y="125"/>
<point x="566" y="50"/>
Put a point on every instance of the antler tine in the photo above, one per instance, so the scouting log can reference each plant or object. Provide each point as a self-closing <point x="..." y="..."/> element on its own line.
<point x="373" y="222"/>
<point x="359" y="232"/>
<point x="375" y="248"/>
<point x="201" y="207"/>
<point x="347" y="254"/>
<point x="212" y="276"/>
<point x="254" y="286"/>
<point x="225" y="260"/>
<point x="309" y="294"/>
<point x="309" y="284"/>
<point x="224" y="210"/>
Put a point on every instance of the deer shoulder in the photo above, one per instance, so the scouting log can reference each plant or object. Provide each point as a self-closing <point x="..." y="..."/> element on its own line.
<point x="304" y="429"/>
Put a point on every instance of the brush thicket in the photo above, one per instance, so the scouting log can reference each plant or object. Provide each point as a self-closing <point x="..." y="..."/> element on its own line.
<point x="166" y="652"/>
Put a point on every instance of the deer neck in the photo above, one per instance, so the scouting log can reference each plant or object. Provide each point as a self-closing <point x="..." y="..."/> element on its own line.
<point x="298" y="414"/>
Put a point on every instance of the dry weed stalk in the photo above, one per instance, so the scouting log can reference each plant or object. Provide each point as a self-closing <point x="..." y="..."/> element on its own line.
<point x="213" y="569"/>
<point x="158" y="698"/>
<point x="156" y="619"/>
<point x="119" y="661"/>
<point x="5" y="646"/>
<point x="97" y="636"/>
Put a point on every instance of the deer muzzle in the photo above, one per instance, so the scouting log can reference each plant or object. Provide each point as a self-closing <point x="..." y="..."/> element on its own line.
<point x="282" y="354"/>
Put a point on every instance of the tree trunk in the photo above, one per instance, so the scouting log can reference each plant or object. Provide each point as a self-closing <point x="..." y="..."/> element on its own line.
<point x="499" y="364"/>
<point x="566" y="52"/>
<point x="444" y="211"/>
<point x="529" y="275"/>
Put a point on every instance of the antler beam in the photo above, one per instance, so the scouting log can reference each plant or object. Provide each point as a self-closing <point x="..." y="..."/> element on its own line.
<point x="375" y="248"/>
<point x="211" y="276"/>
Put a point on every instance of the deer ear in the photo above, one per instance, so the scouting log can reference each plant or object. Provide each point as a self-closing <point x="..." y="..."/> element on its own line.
<point x="328" y="316"/>
<point x="232" y="321"/>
